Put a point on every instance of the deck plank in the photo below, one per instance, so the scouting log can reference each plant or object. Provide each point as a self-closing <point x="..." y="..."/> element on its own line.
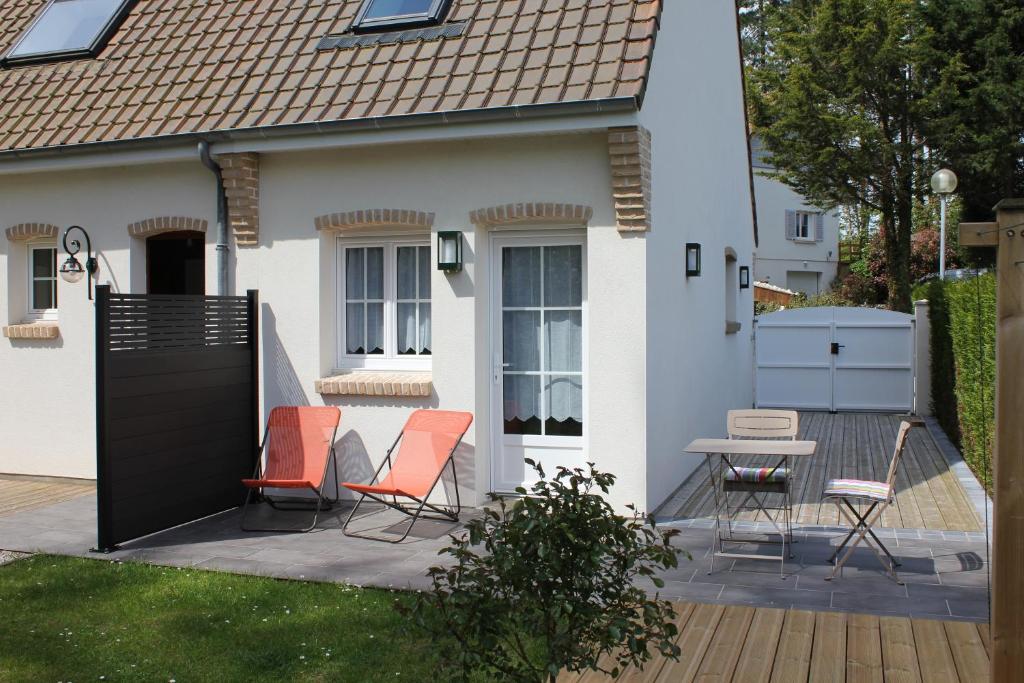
<point x="631" y="674"/>
<point x="969" y="654"/>
<point x="863" y="649"/>
<point x="793" y="658"/>
<point x="828" y="654"/>
<point x="724" y="650"/>
<point x="899" y="651"/>
<point x="933" y="653"/>
<point x="758" y="652"/>
<point x="693" y="642"/>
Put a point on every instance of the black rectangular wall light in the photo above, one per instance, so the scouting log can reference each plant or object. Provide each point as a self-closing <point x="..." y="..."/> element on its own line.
<point x="744" y="277"/>
<point x="449" y="251"/>
<point x="692" y="259"/>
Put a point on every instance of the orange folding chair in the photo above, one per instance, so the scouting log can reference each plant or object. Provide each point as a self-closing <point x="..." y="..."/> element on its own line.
<point x="297" y="448"/>
<point x="428" y="442"/>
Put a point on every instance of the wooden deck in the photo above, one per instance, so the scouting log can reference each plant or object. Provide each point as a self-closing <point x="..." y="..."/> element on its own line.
<point x="18" y="495"/>
<point x="856" y="446"/>
<point x="751" y="645"/>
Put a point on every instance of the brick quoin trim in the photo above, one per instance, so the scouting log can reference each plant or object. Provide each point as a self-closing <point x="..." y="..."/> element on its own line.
<point x="241" y="174"/>
<point x="28" y="231"/>
<point x="629" y="152"/>
<point x="531" y="213"/>
<point x="157" y="226"/>
<point x="375" y="218"/>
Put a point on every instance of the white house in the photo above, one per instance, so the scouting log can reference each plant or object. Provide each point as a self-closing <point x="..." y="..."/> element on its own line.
<point x="798" y="244"/>
<point x="575" y="157"/>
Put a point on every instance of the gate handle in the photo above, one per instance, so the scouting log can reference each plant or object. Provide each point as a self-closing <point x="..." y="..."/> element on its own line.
<point x="835" y="348"/>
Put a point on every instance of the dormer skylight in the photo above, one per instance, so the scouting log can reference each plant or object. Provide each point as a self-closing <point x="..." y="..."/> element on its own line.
<point x="66" y="29"/>
<point x="386" y="14"/>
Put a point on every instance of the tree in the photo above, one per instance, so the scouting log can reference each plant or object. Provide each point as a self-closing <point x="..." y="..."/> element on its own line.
<point x="971" y="56"/>
<point x="555" y="587"/>
<point x="840" y="108"/>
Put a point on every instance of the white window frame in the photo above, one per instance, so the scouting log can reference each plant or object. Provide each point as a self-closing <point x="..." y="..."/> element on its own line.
<point x="30" y="278"/>
<point x="389" y="360"/>
<point x="805" y="219"/>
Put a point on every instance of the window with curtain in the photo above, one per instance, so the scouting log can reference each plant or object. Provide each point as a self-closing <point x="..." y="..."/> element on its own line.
<point x="385" y="304"/>
<point x="542" y="340"/>
<point x="42" y="286"/>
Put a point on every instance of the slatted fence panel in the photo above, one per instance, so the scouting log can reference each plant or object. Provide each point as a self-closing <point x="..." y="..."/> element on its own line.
<point x="177" y="421"/>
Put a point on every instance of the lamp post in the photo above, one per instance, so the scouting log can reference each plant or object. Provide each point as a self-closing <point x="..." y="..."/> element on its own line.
<point x="71" y="270"/>
<point x="943" y="184"/>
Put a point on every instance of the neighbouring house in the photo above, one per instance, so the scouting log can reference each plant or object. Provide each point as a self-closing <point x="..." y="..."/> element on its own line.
<point x="571" y="148"/>
<point x="798" y="244"/>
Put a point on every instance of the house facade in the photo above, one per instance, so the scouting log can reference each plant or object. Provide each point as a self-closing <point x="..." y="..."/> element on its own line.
<point x="798" y="245"/>
<point x="571" y="149"/>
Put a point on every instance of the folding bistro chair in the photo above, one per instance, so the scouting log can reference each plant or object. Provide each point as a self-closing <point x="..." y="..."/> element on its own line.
<point x="756" y="482"/>
<point x="428" y="442"/>
<point x="297" y="448"/>
<point x="877" y="496"/>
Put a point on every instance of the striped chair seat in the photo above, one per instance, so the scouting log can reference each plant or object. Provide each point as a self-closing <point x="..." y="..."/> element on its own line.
<point x="757" y="475"/>
<point x="857" y="488"/>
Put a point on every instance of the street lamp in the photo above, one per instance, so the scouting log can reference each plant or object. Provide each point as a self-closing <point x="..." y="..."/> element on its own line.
<point x="71" y="270"/>
<point x="943" y="184"/>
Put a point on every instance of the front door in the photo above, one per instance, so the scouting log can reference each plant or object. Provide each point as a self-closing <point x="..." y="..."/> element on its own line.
<point x="539" y="298"/>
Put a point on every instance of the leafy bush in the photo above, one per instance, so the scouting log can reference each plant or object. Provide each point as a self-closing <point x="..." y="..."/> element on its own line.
<point x="972" y="311"/>
<point x="943" y="374"/>
<point x="555" y="587"/>
<point x="824" y="299"/>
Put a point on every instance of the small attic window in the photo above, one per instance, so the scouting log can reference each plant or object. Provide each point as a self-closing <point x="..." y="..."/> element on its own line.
<point x="381" y="14"/>
<point x="66" y="29"/>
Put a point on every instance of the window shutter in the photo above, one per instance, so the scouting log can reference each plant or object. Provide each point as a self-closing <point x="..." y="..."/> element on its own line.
<point x="790" y="224"/>
<point x="819" y="227"/>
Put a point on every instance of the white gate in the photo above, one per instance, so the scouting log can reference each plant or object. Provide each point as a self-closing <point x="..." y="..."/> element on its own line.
<point x="835" y="359"/>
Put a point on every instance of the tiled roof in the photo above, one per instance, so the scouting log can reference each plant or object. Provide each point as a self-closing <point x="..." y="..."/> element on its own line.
<point x="197" y="66"/>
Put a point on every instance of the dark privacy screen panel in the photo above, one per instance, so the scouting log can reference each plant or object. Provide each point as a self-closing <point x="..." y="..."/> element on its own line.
<point x="177" y="401"/>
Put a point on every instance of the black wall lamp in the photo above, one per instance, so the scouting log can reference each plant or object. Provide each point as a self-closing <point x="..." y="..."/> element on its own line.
<point x="449" y="251"/>
<point x="744" y="277"/>
<point x="71" y="270"/>
<point x="692" y="259"/>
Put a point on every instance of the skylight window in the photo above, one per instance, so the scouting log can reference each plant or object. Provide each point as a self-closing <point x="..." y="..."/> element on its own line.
<point x="380" y="14"/>
<point x="65" y="29"/>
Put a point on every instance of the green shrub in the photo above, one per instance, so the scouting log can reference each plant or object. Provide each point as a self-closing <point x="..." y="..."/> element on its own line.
<point x="943" y="369"/>
<point x="555" y="587"/>
<point x="972" y="313"/>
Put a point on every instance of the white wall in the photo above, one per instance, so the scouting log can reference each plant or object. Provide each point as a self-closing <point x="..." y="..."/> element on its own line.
<point x="47" y="406"/>
<point x="694" y="110"/>
<point x="776" y="255"/>
<point x="293" y="267"/>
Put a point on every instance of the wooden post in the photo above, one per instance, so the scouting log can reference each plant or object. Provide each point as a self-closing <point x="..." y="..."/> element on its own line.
<point x="1007" y="235"/>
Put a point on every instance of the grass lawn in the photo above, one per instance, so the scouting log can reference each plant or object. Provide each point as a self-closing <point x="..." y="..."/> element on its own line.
<point x="68" y="619"/>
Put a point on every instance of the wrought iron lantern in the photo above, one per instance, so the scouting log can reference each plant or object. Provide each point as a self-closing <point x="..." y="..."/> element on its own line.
<point x="744" y="277"/>
<point x="72" y="270"/>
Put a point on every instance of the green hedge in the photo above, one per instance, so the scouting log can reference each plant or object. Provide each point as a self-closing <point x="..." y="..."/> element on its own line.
<point x="972" y="308"/>
<point x="963" y="347"/>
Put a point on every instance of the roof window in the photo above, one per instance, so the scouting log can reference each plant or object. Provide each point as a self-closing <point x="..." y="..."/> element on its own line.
<point x="66" y="29"/>
<point x="381" y="14"/>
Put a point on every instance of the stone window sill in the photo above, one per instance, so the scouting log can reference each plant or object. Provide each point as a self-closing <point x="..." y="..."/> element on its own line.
<point x="732" y="327"/>
<point x="39" y="330"/>
<point x="376" y="383"/>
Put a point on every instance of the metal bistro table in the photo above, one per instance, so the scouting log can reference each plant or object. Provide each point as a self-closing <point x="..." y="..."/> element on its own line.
<point x="731" y="450"/>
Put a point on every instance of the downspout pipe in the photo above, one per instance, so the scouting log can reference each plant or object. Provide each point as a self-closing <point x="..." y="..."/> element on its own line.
<point x="222" y="218"/>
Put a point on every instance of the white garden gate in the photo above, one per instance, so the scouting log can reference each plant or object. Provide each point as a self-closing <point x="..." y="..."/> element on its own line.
<point x="835" y="359"/>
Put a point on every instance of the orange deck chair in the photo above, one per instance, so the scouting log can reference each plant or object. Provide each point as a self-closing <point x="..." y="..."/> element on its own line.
<point x="428" y="443"/>
<point x="297" y="448"/>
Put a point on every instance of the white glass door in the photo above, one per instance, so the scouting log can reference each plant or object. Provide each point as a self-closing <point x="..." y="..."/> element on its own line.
<point x="539" y="302"/>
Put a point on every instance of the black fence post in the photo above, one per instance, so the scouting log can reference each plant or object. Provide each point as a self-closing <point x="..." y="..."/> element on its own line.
<point x="253" y="298"/>
<point x="104" y="518"/>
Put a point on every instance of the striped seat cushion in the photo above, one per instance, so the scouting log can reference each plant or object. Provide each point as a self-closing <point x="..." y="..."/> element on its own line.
<point x="857" y="488"/>
<point x="757" y="475"/>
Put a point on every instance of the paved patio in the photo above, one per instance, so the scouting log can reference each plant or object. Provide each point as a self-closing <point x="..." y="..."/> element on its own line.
<point x="945" y="572"/>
